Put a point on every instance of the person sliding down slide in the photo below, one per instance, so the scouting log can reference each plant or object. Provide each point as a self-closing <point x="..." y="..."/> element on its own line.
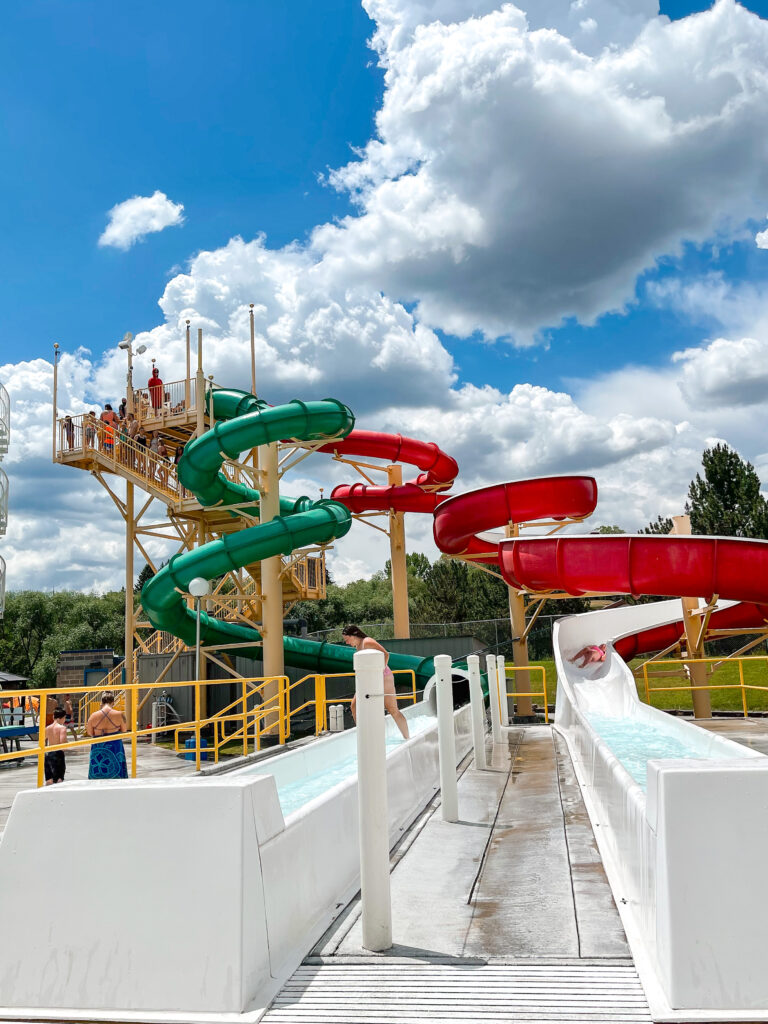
<point x="355" y="637"/>
<point x="595" y="652"/>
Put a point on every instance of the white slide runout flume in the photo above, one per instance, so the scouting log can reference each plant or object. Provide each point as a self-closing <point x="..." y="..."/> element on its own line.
<point x="680" y="818"/>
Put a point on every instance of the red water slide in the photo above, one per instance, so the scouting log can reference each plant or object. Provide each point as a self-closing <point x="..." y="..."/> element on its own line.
<point x="660" y="566"/>
<point x="671" y="566"/>
<point x="658" y="638"/>
<point x="438" y="471"/>
<point x="460" y="519"/>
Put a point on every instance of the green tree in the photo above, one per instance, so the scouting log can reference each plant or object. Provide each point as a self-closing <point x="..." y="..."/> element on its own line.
<point x="662" y="524"/>
<point x="727" y="501"/>
<point x="608" y="529"/>
<point x="455" y="591"/>
<point x="144" y="576"/>
<point x="37" y="627"/>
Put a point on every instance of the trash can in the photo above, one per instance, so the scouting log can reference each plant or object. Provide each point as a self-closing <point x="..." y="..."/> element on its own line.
<point x="189" y="754"/>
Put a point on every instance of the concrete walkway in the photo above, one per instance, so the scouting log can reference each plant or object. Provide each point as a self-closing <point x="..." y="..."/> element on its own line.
<point x="750" y="732"/>
<point x="505" y="915"/>
<point x="518" y="876"/>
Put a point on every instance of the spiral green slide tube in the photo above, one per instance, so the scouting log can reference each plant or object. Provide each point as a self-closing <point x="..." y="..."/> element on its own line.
<point x="244" y="422"/>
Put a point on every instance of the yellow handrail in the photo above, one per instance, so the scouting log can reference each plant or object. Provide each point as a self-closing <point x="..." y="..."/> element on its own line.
<point x="538" y="693"/>
<point x="716" y="663"/>
<point x="273" y="712"/>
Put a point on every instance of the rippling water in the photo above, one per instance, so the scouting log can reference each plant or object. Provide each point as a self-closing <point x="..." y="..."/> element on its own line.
<point x="294" y="795"/>
<point x="635" y="742"/>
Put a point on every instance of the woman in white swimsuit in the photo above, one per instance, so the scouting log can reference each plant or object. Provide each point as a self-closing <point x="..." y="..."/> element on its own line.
<point x="355" y="637"/>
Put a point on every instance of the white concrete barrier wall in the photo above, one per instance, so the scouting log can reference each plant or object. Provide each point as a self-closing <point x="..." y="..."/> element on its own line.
<point x="149" y="899"/>
<point x="682" y="860"/>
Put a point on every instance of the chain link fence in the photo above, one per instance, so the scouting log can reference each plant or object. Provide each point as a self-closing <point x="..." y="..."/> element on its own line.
<point x="495" y="634"/>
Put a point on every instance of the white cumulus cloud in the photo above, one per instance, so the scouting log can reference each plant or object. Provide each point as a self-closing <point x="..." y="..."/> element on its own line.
<point x="517" y="179"/>
<point x="134" y="219"/>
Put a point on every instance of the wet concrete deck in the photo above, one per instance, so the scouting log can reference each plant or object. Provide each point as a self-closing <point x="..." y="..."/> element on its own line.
<point x="518" y="877"/>
<point x="750" y="732"/>
<point x="505" y="915"/>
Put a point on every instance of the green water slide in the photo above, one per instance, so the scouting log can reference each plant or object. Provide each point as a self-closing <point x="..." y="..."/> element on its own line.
<point x="244" y="422"/>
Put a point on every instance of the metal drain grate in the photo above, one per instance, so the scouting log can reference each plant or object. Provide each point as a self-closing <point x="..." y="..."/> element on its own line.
<point x="397" y="993"/>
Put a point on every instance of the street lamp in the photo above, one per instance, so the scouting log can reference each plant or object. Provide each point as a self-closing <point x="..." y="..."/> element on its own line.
<point x="198" y="587"/>
<point x="125" y="345"/>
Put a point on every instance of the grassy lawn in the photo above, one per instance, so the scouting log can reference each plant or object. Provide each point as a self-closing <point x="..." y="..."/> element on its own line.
<point x="727" y="673"/>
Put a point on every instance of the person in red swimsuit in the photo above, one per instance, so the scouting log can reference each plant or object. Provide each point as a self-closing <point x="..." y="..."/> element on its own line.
<point x="155" y="386"/>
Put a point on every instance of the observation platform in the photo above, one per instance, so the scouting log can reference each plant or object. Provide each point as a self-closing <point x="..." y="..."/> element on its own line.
<point x="506" y="915"/>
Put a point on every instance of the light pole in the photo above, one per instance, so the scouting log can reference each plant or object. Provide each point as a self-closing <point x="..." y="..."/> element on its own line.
<point x="198" y="587"/>
<point x="55" y="392"/>
<point x="126" y="345"/>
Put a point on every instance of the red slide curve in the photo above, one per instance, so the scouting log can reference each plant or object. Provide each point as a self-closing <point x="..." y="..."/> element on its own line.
<point x="661" y="566"/>
<point x="438" y="471"/>
<point x="459" y="520"/>
<point x="671" y="566"/>
<point x="658" y="638"/>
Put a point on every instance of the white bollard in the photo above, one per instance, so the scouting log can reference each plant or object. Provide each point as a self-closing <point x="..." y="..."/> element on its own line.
<point x="446" y="741"/>
<point x="155" y="720"/>
<point x="501" y="677"/>
<point x="493" y="697"/>
<point x="478" y="710"/>
<point x="372" y="801"/>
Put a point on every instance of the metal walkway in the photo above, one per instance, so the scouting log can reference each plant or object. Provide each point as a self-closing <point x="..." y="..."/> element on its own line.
<point x="401" y="993"/>
<point x="505" y="915"/>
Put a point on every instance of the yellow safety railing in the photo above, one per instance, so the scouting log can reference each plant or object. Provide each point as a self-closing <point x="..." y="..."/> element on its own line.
<point x="247" y="718"/>
<point x="321" y="699"/>
<point x="260" y="718"/>
<point x="664" y="668"/>
<point x="537" y="693"/>
<point x="134" y="731"/>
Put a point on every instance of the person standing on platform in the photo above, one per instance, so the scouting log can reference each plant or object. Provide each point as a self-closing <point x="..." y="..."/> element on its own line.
<point x="110" y="421"/>
<point x="155" y="388"/>
<point x="90" y="429"/>
<point x="69" y="432"/>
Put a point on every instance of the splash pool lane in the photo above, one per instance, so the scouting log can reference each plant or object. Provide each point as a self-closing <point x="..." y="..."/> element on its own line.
<point x="635" y="742"/>
<point x="294" y="794"/>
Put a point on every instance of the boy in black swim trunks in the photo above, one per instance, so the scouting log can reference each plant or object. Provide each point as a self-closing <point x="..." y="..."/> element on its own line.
<point x="55" y="733"/>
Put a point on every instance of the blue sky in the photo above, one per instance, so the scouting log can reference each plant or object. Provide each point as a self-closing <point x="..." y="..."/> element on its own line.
<point x="232" y="108"/>
<point x="235" y="114"/>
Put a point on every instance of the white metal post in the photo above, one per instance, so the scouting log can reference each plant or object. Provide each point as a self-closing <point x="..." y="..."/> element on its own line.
<point x="446" y="741"/>
<point x="372" y="800"/>
<point x="197" y="638"/>
<point x="478" y="710"/>
<point x="493" y="697"/>
<point x="501" y="682"/>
